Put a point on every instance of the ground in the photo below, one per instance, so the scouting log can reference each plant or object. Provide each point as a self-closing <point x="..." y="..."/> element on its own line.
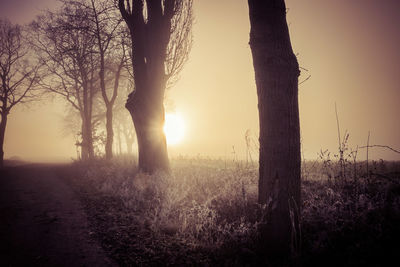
<point x="42" y="222"/>
<point x="205" y="213"/>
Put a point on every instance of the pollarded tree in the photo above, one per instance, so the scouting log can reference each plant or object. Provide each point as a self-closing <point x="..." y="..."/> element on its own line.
<point x="276" y="74"/>
<point x="19" y="74"/>
<point x="161" y="39"/>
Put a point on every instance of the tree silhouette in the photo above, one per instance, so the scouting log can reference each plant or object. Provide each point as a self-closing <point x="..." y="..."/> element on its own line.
<point x="276" y="74"/>
<point x="161" y="39"/>
<point x="66" y="46"/>
<point x="110" y="45"/>
<point x="123" y="125"/>
<point x="19" y="74"/>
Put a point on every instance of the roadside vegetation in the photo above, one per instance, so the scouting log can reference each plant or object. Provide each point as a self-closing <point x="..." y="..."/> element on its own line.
<point x="206" y="212"/>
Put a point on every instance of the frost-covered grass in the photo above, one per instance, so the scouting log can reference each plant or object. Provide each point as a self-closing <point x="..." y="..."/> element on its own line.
<point x="206" y="212"/>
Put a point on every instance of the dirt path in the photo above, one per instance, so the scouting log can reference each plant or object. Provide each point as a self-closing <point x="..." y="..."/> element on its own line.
<point x="42" y="223"/>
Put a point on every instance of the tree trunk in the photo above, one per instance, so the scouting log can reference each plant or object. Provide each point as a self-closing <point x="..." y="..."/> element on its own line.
<point x="150" y="37"/>
<point x="146" y="103"/>
<point x="89" y="115"/>
<point x="276" y="74"/>
<point x="129" y="139"/>
<point x="110" y="132"/>
<point x="84" y="145"/>
<point x="86" y="115"/>
<point x="87" y="150"/>
<point x="89" y="139"/>
<point x="3" y="125"/>
<point x="148" y="117"/>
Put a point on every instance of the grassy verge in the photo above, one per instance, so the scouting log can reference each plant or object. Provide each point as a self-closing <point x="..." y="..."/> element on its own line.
<point x="206" y="213"/>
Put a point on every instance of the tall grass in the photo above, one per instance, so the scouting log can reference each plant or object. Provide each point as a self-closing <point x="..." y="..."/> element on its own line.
<point x="210" y="207"/>
<point x="200" y="204"/>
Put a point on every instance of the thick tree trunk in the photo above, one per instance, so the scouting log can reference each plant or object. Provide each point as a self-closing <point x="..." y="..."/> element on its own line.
<point x="148" y="118"/>
<point x="3" y="125"/>
<point x="150" y="37"/>
<point x="110" y="133"/>
<point x="276" y="74"/>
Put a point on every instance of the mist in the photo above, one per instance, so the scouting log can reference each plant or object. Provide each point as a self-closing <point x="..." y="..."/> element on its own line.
<point x="351" y="61"/>
<point x="186" y="133"/>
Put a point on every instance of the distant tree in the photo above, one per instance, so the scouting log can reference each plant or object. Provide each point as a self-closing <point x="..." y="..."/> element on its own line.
<point x="65" y="44"/>
<point x="125" y="129"/>
<point x="72" y="126"/>
<point x="161" y="37"/>
<point x="276" y="74"/>
<point x="125" y="132"/>
<point x="110" y="46"/>
<point x="129" y="134"/>
<point x="19" y="74"/>
<point x="123" y="125"/>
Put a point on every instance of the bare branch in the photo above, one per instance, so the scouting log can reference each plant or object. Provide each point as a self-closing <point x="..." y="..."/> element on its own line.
<point x="19" y="72"/>
<point x="382" y="146"/>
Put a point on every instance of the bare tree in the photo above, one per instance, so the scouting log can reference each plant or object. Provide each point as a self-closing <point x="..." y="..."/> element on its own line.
<point x="126" y="128"/>
<point x="125" y="132"/>
<point x="161" y="40"/>
<point x="123" y="124"/>
<point x="276" y="74"/>
<point x="66" y="47"/>
<point x="19" y="74"/>
<point x="110" y="45"/>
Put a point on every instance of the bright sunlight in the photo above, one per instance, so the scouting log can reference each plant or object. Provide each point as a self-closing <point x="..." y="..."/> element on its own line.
<point x="174" y="128"/>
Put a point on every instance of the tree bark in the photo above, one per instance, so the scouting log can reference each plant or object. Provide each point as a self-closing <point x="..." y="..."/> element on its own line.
<point x="276" y="74"/>
<point x="3" y="125"/>
<point x="146" y="106"/>
<point x="148" y="118"/>
<point x="150" y="39"/>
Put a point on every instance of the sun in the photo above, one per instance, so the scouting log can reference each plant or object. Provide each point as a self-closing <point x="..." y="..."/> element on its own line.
<point x="174" y="128"/>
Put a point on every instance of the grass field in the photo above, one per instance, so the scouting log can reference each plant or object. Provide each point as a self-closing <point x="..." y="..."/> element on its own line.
<point x="206" y="212"/>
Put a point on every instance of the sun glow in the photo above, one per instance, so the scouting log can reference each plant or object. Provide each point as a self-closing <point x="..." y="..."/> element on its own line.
<point x="174" y="128"/>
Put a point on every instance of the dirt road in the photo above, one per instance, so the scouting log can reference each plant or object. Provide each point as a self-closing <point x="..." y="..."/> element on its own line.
<point x="42" y="222"/>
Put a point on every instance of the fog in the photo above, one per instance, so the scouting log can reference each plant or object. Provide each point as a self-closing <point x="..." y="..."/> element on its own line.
<point x="350" y="49"/>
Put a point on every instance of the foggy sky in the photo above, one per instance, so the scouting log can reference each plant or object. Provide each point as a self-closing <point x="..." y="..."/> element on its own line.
<point x="350" y="49"/>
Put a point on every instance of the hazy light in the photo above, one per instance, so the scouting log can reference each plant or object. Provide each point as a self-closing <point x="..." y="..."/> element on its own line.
<point x="174" y="128"/>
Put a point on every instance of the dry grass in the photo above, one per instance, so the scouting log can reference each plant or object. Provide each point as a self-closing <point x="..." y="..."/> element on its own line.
<point x="206" y="212"/>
